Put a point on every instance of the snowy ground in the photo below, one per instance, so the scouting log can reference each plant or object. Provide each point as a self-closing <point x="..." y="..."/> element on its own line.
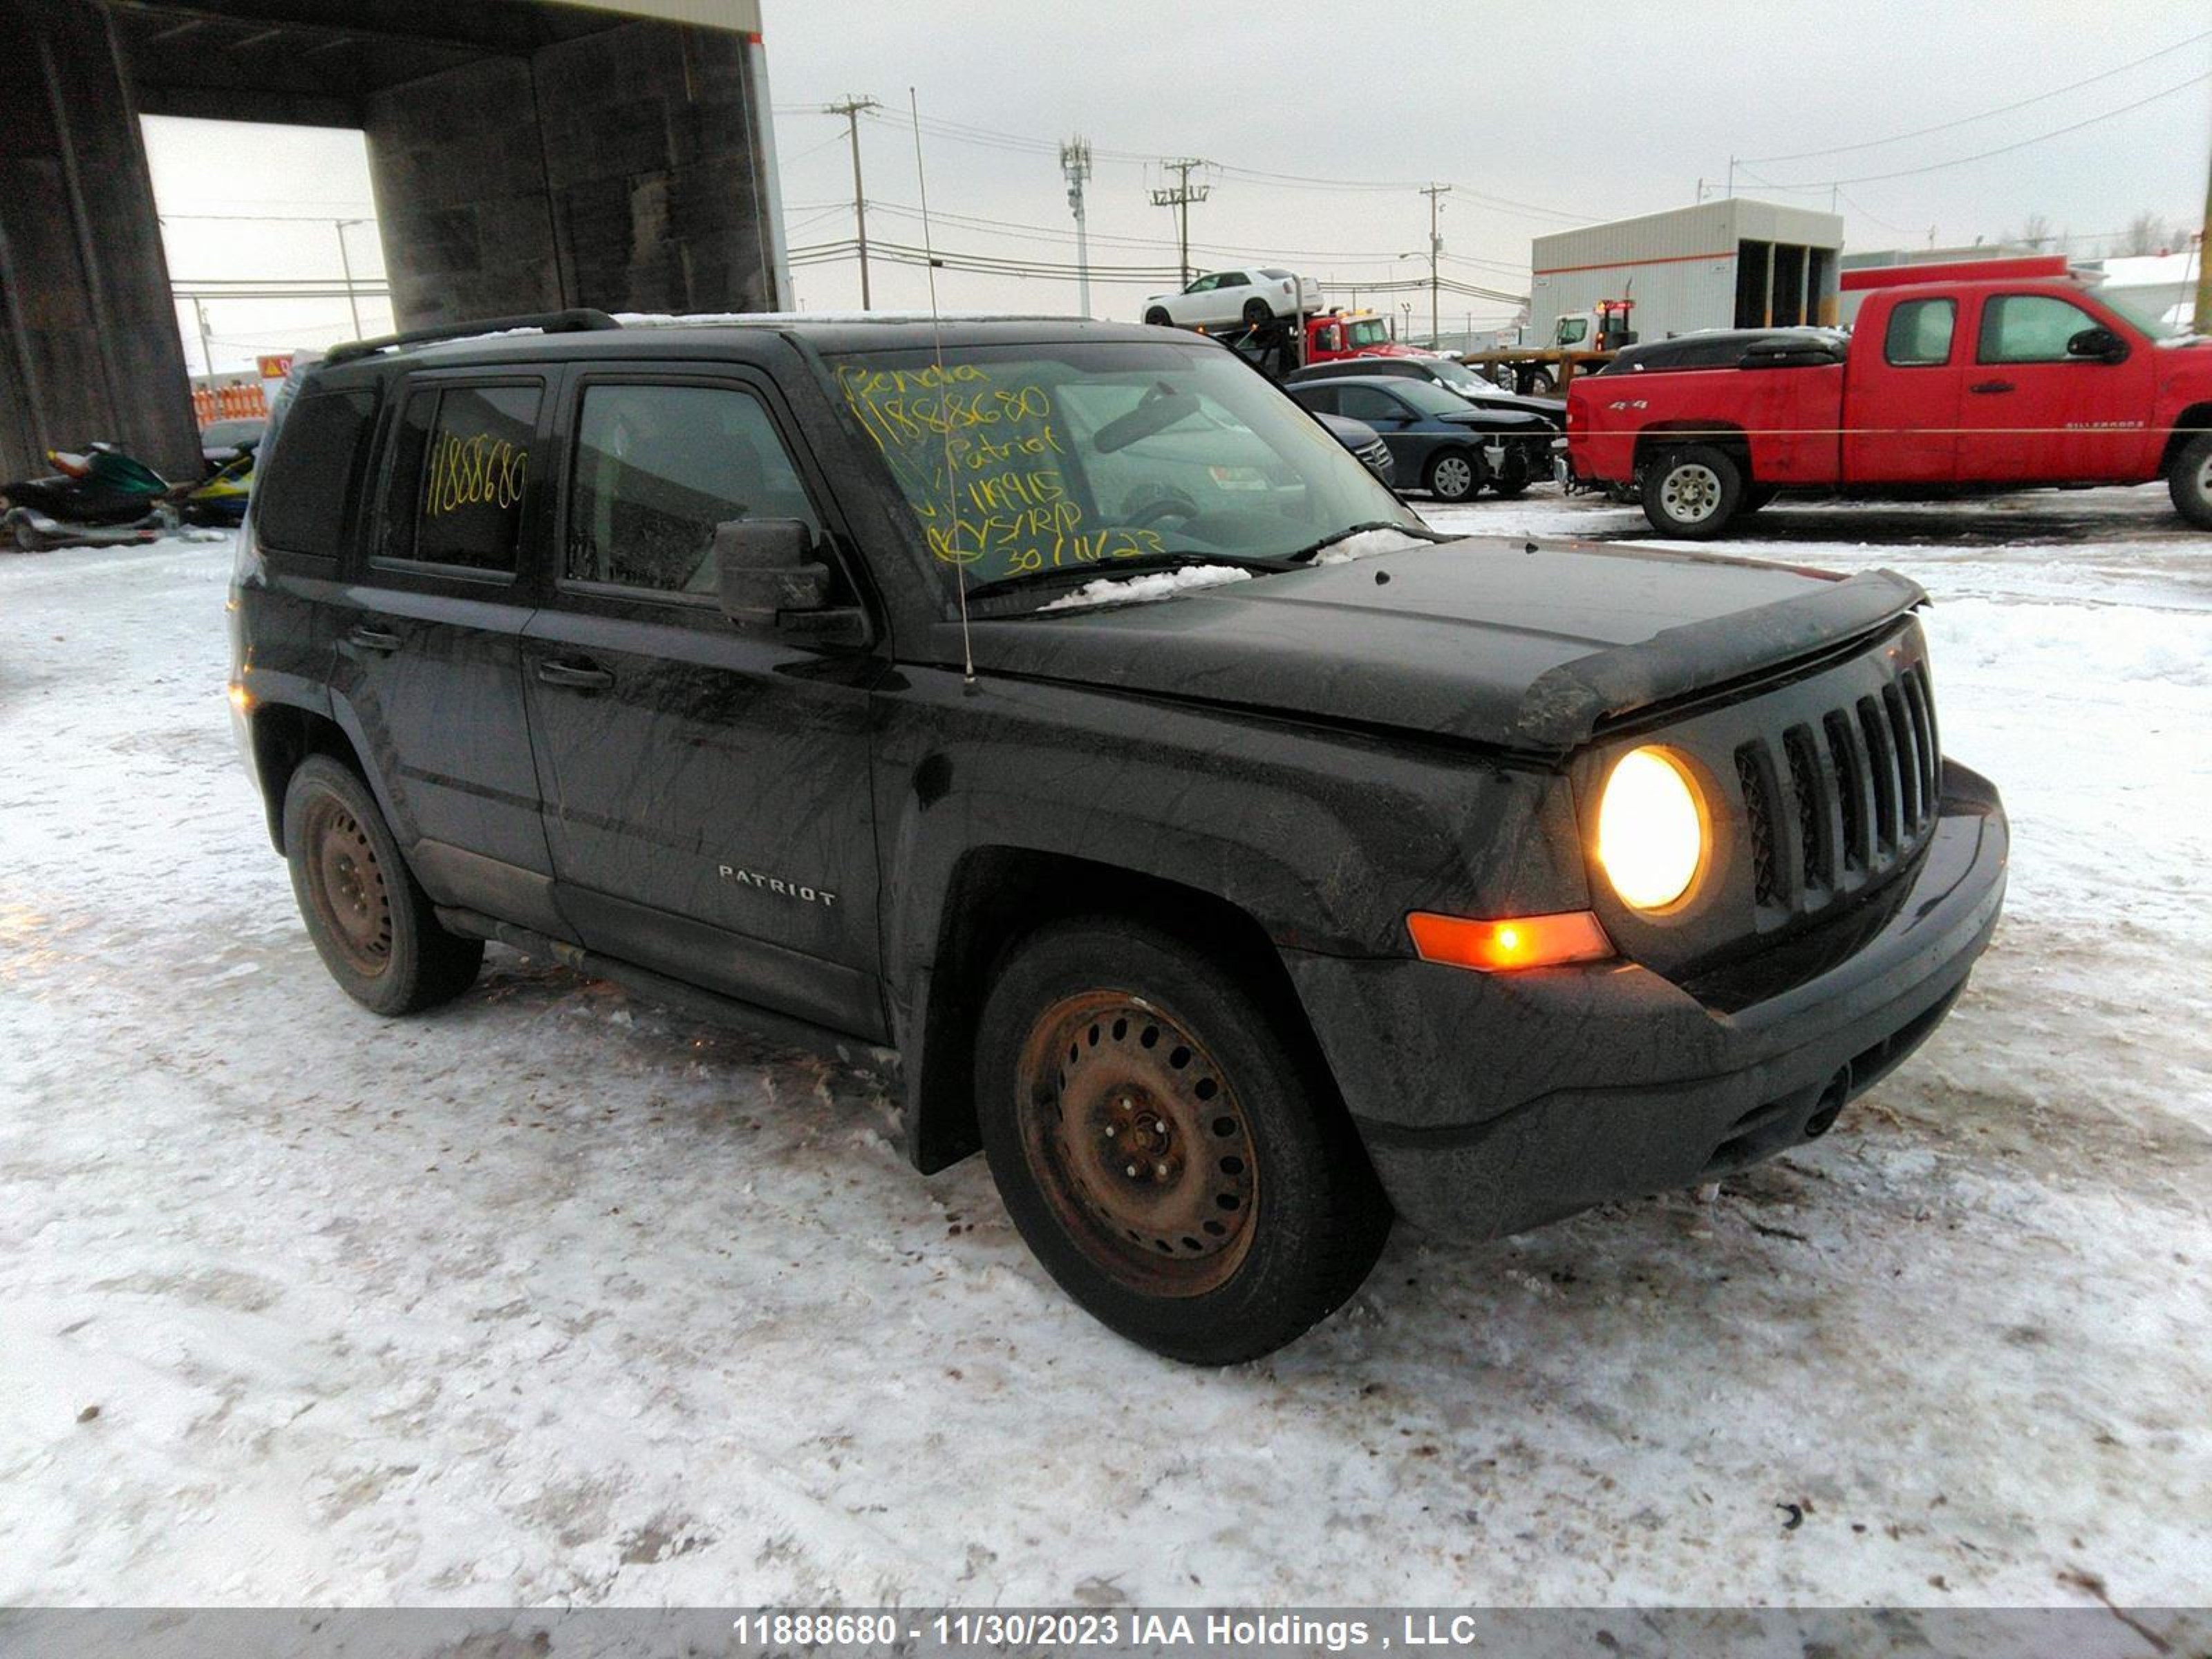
<point x="556" y="1297"/>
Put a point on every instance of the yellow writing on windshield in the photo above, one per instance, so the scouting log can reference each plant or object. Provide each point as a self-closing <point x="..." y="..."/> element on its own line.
<point x="979" y="460"/>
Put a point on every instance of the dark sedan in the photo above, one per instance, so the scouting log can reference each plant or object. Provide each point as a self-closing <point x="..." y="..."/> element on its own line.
<point x="1440" y="441"/>
<point x="1447" y="372"/>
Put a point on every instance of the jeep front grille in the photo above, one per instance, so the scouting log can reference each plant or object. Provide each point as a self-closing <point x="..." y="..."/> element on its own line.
<point x="1838" y="802"/>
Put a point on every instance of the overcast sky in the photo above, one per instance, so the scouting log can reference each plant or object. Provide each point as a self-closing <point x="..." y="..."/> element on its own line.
<point x="1542" y="115"/>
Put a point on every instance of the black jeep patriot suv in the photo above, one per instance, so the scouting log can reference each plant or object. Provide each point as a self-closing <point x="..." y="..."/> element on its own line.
<point x="1052" y="713"/>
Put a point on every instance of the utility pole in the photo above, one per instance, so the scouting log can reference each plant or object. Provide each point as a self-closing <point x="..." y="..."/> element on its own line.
<point x="1179" y="197"/>
<point x="345" y="262"/>
<point x="1435" y="194"/>
<point x="852" y="110"/>
<point x="2202" y="321"/>
<point x="1075" y="163"/>
<point x="207" y="345"/>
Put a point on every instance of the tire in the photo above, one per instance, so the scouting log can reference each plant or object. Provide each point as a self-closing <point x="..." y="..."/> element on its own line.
<point x="1756" y="497"/>
<point x="1692" y="493"/>
<point x="1258" y="1214"/>
<point x="1538" y="383"/>
<point x="2189" y="480"/>
<point x="1158" y="318"/>
<point x="1258" y="314"/>
<point x="370" y="920"/>
<point x="1453" y="475"/>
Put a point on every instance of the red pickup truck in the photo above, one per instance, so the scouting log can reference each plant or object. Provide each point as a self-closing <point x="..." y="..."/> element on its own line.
<point x="1942" y="387"/>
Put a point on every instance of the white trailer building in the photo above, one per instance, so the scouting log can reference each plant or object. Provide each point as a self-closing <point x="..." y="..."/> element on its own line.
<point x="1731" y="264"/>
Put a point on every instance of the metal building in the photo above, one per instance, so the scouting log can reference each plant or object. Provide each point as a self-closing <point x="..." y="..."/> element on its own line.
<point x="1732" y="264"/>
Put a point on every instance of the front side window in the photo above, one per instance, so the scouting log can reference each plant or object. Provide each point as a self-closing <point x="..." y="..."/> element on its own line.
<point x="1204" y="285"/>
<point x="461" y="473"/>
<point x="1019" y="459"/>
<point x="1573" y="331"/>
<point x="1919" y="335"/>
<point x="658" y="469"/>
<point x="2030" y="328"/>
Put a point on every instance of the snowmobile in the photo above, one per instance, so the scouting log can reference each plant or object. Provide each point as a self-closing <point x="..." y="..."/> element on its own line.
<point x="100" y="498"/>
<point x="221" y="501"/>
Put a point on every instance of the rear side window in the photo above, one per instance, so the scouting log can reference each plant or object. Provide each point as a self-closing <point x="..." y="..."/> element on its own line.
<point x="658" y="468"/>
<point x="309" y="495"/>
<point x="1919" y="335"/>
<point x="460" y="476"/>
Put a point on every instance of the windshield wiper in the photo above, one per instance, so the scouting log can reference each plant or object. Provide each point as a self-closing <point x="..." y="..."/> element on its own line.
<point x="1107" y="570"/>
<point x="1419" y="532"/>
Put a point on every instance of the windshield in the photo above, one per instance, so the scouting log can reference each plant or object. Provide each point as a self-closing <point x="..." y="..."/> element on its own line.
<point x="2156" y="327"/>
<point x="1369" y="332"/>
<point x="1023" y="460"/>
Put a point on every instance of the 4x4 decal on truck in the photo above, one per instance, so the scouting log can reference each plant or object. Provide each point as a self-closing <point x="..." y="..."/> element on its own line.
<point x="776" y="884"/>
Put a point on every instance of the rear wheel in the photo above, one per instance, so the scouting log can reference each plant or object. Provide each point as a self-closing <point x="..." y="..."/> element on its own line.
<point x="2189" y="480"/>
<point x="1692" y="492"/>
<point x="1454" y="475"/>
<point x="1258" y="314"/>
<point x="1158" y="318"/>
<point x="1168" y="1146"/>
<point x="371" y="921"/>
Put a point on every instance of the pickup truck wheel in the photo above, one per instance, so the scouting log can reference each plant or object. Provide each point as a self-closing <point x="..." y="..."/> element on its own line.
<point x="1157" y="317"/>
<point x="371" y="921"/>
<point x="1454" y="475"/>
<point x="1173" y="1156"/>
<point x="2190" y="481"/>
<point x="1692" y="492"/>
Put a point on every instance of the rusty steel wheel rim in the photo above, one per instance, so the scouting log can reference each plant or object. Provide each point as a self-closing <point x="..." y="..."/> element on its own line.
<point x="1139" y="1143"/>
<point x="349" y="887"/>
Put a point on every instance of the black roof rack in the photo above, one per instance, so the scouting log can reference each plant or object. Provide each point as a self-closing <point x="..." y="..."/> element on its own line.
<point x="576" y="320"/>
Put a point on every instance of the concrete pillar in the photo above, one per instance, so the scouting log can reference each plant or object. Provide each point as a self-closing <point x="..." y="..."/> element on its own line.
<point x="615" y="170"/>
<point x="88" y="343"/>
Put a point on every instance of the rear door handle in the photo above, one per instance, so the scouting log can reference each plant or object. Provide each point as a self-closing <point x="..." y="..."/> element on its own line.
<point x="1983" y="388"/>
<point x="374" y="638"/>
<point x="583" y="675"/>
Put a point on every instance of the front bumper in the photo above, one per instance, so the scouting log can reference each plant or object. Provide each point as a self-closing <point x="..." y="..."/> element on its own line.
<point x="1493" y="1103"/>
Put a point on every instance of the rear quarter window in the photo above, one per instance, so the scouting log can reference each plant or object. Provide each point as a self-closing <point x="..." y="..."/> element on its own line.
<point x="308" y="495"/>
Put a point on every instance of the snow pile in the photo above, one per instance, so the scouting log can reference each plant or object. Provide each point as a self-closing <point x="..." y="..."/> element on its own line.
<point x="1367" y="544"/>
<point x="1154" y="584"/>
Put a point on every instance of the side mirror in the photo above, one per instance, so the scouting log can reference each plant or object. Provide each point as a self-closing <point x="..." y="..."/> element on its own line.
<point x="2100" y="342"/>
<point x="767" y="577"/>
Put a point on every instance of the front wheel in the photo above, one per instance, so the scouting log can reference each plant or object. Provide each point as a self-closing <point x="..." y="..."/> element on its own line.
<point x="1538" y="383"/>
<point x="370" y="921"/>
<point x="2189" y="480"/>
<point x="1454" y="475"/>
<point x="1168" y="1146"/>
<point x="1692" y="492"/>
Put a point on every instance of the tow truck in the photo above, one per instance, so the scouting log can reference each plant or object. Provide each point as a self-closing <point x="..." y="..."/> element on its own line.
<point x="1282" y="344"/>
<point x="1581" y="344"/>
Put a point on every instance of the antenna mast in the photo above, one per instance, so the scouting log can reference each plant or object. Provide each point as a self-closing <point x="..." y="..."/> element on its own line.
<point x="937" y="337"/>
<point x="1075" y="162"/>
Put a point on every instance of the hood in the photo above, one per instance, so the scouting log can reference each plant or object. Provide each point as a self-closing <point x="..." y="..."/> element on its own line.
<point x="1492" y="418"/>
<point x="1503" y="643"/>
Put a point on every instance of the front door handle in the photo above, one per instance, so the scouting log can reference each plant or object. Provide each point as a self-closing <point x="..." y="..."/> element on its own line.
<point x="374" y="638"/>
<point x="1983" y="388"/>
<point x="582" y="675"/>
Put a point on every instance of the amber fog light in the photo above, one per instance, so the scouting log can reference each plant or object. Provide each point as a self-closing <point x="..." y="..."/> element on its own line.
<point x="1651" y="831"/>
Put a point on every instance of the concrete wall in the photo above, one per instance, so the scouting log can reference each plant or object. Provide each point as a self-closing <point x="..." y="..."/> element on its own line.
<point x="616" y="170"/>
<point x="88" y="346"/>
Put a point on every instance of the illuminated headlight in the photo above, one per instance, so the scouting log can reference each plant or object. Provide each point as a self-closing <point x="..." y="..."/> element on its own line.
<point x="1651" y="830"/>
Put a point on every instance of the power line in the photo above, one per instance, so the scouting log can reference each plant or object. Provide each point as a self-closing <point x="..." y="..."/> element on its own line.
<point x="2001" y="109"/>
<point x="2005" y="149"/>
